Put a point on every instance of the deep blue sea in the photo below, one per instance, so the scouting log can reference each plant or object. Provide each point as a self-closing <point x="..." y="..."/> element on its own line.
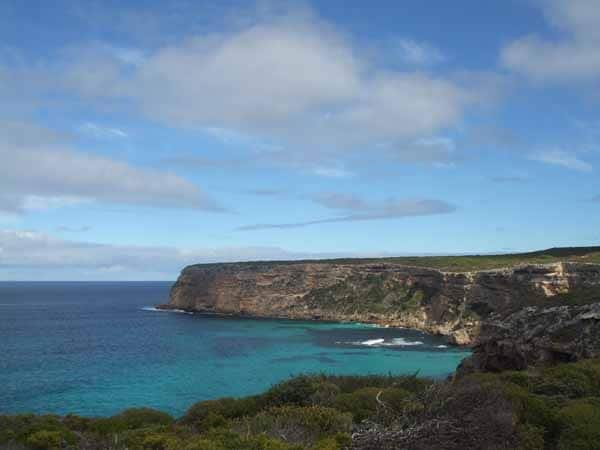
<point x="95" y="349"/>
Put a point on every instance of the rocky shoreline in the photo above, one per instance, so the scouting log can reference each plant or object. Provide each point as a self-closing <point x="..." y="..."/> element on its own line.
<point x="451" y="304"/>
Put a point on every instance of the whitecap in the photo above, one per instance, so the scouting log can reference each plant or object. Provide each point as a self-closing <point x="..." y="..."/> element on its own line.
<point x="401" y="342"/>
<point x="372" y="342"/>
<point x="154" y="309"/>
<point x="381" y="342"/>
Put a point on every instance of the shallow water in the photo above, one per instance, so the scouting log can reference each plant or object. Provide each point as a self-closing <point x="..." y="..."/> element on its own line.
<point x="97" y="348"/>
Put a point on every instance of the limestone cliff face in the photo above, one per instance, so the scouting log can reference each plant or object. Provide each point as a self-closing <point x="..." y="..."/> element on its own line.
<point x="447" y="303"/>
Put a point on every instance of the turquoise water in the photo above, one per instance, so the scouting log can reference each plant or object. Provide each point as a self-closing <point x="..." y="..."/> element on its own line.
<point x="97" y="348"/>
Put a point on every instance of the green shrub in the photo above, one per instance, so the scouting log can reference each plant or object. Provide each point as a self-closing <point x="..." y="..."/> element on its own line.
<point x="397" y="399"/>
<point x="297" y="391"/>
<point x="6" y="435"/>
<point x="226" y="440"/>
<point x="361" y="403"/>
<point x="265" y="443"/>
<point x="297" y="424"/>
<point x="156" y="438"/>
<point x="106" y="426"/>
<point x="337" y="442"/>
<point x="45" y="440"/>
<point x="581" y="421"/>
<point x="534" y="410"/>
<point x="349" y="383"/>
<point x="213" y="420"/>
<point x="531" y="437"/>
<point x="76" y="423"/>
<point x="25" y="428"/>
<point x="228" y="408"/>
<point x="520" y="378"/>
<point x="143" y="417"/>
<point x="158" y="441"/>
<point x="568" y="380"/>
<point x="199" y="443"/>
<point x="325" y="394"/>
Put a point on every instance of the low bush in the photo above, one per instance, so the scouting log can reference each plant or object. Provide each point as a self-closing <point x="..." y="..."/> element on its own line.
<point x="228" y="408"/>
<point x="297" y="391"/>
<point x="530" y="437"/>
<point x="227" y="440"/>
<point x="412" y="383"/>
<point x="303" y="425"/>
<point x="35" y="430"/>
<point x="568" y="380"/>
<point x="365" y="403"/>
<point x="325" y="394"/>
<point x="45" y="440"/>
<point x="361" y="403"/>
<point x="581" y="422"/>
<point x="143" y="417"/>
<point x="337" y="442"/>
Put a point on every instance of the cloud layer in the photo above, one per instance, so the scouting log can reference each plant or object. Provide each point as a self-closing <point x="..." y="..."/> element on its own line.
<point x="574" y="57"/>
<point x="39" y="170"/>
<point x="563" y="159"/>
<point x="28" y="252"/>
<point x="356" y="209"/>
<point x="293" y="81"/>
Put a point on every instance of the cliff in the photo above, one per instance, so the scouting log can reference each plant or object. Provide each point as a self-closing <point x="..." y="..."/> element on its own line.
<point x="452" y="304"/>
<point x="536" y="336"/>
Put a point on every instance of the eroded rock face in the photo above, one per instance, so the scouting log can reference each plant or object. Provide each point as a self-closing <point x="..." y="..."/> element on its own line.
<point x="446" y="303"/>
<point x="534" y="336"/>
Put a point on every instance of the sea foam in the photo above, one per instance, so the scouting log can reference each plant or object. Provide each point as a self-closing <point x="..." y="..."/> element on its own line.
<point x="381" y="342"/>
<point x="154" y="309"/>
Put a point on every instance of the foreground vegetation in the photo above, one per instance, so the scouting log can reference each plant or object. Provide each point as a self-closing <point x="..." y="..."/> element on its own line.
<point x="467" y="263"/>
<point x="551" y="408"/>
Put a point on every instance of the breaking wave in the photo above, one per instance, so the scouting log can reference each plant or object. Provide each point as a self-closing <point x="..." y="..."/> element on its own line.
<point x="381" y="342"/>
<point x="152" y="308"/>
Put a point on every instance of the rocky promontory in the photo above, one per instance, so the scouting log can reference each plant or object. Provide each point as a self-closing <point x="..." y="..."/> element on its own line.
<point x="449" y="303"/>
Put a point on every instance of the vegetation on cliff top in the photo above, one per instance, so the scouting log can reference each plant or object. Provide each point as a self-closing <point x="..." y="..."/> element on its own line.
<point x="549" y="408"/>
<point x="461" y="263"/>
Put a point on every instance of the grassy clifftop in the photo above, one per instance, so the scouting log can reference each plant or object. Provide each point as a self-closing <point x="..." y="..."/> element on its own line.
<point x="459" y="263"/>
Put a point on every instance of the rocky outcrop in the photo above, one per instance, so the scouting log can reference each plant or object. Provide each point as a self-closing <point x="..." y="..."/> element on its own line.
<point x="452" y="304"/>
<point x="536" y="336"/>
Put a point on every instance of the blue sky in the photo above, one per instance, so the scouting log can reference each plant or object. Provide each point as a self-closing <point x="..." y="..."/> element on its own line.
<point x="140" y="136"/>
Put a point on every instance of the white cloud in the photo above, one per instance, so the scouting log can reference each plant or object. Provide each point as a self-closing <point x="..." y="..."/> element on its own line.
<point x="24" y="254"/>
<point x="68" y="229"/>
<point x="563" y="159"/>
<point x="580" y="17"/>
<point x="102" y="132"/>
<point x="39" y="171"/>
<point x="571" y="58"/>
<point x="358" y="210"/>
<point x="547" y="61"/>
<point x="250" y="79"/>
<point x="297" y="82"/>
<point x="437" y="150"/>
<point x="337" y="200"/>
<point x="418" y="53"/>
<point x="332" y="172"/>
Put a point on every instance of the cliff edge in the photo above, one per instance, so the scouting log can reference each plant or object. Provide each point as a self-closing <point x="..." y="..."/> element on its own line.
<point x="453" y="304"/>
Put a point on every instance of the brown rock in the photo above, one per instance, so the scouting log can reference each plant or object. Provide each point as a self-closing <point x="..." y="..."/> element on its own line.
<point x="534" y="336"/>
<point x="446" y="303"/>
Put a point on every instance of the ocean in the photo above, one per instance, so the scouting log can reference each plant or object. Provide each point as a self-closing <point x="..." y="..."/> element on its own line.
<point x="95" y="349"/>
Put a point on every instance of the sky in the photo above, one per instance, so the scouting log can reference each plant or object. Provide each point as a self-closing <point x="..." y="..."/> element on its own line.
<point x="137" y="137"/>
